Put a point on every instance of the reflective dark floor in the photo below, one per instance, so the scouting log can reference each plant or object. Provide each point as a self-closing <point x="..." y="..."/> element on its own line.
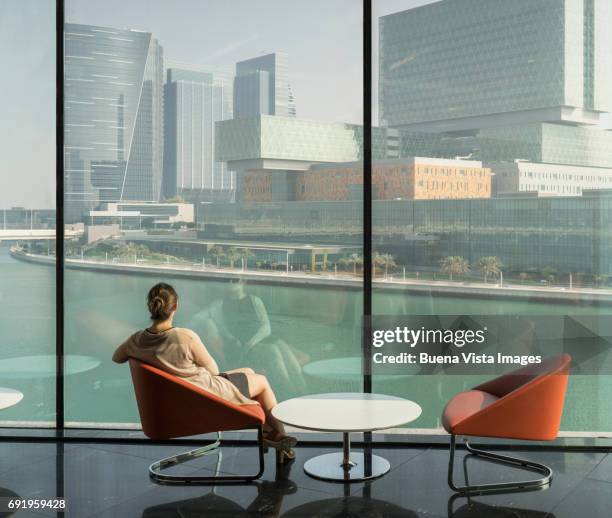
<point x="111" y="480"/>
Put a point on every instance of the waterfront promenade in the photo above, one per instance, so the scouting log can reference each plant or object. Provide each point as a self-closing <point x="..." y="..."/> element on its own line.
<point x="331" y="279"/>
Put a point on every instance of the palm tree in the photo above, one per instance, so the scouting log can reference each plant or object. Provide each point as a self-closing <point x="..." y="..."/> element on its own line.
<point x="454" y="265"/>
<point x="345" y="262"/>
<point x="376" y="261"/>
<point x="490" y="265"/>
<point x="354" y="260"/>
<point x="217" y="252"/>
<point x="233" y="254"/>
<point x="245" y="254"/>
<point x="384" y="260"/>
<point x="129" y="250"/>
<point x="549" y="273"/>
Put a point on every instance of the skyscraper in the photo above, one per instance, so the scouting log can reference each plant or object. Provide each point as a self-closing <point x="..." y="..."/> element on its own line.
<point x="458" y="65"/>
<point x="113" y="113"/>
<point x="498" y="81"/>
<point x="261" y="87"/>
<point x="194" y="101"/>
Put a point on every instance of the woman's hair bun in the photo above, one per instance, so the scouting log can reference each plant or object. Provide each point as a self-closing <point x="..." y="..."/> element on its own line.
<point x="161" y="301"/>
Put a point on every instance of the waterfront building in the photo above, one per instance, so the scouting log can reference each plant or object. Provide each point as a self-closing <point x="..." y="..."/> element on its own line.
<point x="193" y="102"/>
<point x="141" y="215"/>
<point x="456" y="92"/>
<point x="262" y="87"/>
<point x="21" y="218"/>
<point x="528" y="233"/>
<point x="411" y="178"/>
<point x="276" y="148"/>
<point x="113" y="117"/>
<point x="548" y="179"/>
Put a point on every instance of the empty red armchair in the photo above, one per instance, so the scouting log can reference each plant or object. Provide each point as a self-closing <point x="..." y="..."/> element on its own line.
<point x="171" y="407"/>
<point x="526" y="404"/>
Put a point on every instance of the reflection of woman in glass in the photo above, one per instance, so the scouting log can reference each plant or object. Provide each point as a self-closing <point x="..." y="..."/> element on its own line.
<point x="180" y="351"/>
<point x="239" y="325"/>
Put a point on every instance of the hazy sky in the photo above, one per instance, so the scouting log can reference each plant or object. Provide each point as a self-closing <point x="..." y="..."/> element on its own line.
<point x="323" y="39"/>
<point x="27" y="103"/>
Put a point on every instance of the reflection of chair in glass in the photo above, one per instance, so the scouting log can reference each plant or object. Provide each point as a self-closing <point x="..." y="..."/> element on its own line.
<point x="171" y="407"/>
<point x="268" y="501"/>
<point x="526" y="404"/>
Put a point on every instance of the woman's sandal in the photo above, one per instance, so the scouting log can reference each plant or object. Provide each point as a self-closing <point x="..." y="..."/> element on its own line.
<point x="284" y="455"/>
<point x="283" y="447"/>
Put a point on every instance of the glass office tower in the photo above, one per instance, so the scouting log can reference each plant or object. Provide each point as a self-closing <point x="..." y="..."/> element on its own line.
<point x="262" y="87"/>
<point x="113" y="117"/>
<point x="194" y="101"/>
<point x="460" y="65"/>
<point x="500" y="81"/>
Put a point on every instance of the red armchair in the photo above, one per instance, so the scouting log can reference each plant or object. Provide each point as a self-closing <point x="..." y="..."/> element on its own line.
<point x="171" y="407"/>
<point x="526" y="404"/>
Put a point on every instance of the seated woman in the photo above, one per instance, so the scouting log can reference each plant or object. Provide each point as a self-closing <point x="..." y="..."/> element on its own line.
<point x="180" y="352"/>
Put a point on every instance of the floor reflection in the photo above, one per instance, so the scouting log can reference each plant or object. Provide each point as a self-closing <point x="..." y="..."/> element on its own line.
<point x="6" y="494"/>
<point x="349" y="506"/>
<point x="269" y="500"/>
<point x="473" y="509"/>
<point x="267" y="503"/>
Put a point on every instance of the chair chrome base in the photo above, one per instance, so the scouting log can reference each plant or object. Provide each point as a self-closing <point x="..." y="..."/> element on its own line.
<point x="509" y="487"/>
<point x="155" y="469"/>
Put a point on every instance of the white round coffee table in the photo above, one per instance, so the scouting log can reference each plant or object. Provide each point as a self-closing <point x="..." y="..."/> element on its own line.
<point x="346" y="412"/>
<point x="9" y="397"/>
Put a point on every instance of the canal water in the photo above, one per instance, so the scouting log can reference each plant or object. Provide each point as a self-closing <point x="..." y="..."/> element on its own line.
<point x="308" y="324"/>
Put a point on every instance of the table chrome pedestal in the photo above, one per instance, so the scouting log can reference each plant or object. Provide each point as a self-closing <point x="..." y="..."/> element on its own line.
<point x="344" y="467"/>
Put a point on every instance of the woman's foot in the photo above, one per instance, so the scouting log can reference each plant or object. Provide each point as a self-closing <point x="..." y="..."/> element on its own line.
<point x="283" y="444"/>
<point x="279" y="442"/>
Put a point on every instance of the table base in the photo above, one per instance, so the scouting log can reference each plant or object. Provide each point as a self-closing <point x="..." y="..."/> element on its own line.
<point x="361" y="467"/>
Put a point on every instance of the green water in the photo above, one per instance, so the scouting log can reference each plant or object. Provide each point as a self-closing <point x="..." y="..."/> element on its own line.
<point x="317" y="323"/>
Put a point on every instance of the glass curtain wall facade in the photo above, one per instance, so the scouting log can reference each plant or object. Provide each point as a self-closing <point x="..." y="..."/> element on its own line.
<point x="269" y="276"/>
<point x="113" y="117"/>
<point x="514" y="85"/>
<point x="281" y="308"/>
<point x="27" y="212"/>
<point x="193" y="102"/>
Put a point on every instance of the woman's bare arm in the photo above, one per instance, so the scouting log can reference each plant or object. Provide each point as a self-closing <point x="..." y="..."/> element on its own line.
<point x="201" y="356"/>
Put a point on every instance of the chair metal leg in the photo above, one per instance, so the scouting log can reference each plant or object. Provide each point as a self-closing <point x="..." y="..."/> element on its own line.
<point x="155" y="469"/>
<point x="510" y="487"/>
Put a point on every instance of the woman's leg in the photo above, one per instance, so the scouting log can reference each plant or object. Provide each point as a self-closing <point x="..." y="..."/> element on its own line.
<point x="261" y="392"/>
<point x="244" y="370"/>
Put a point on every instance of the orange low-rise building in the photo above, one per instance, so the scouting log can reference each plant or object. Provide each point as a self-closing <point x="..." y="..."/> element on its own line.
<point x="258" y="186"/>
<point x="414" y="178"/>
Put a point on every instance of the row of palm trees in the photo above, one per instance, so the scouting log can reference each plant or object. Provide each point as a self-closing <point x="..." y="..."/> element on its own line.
<point x="457" y="265"/>
<point x="232" y="255"/>
<point x="383" y="261"/>
<point x="453" y="265"/>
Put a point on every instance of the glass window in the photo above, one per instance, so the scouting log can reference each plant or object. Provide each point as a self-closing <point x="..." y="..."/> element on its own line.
<point x="27" y="210"/>
<point x="197" y="147"/>
<point x="541" y="258"/>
